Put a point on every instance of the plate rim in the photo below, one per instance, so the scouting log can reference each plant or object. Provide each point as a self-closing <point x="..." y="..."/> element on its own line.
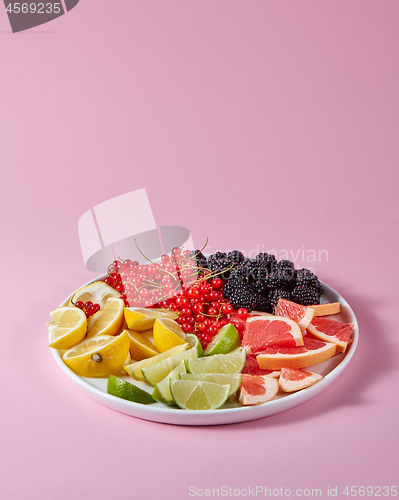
<point x="220" y="416"/>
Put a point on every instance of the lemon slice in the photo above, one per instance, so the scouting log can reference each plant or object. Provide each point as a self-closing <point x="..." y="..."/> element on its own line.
<point x="125" y="390"/>
<point x="153" y="374"/>
<point x="232" y="362"/>
<point x="167" y="334"/>
<point x="233" y="379"/>
<point x="108" y="320"/>
<point x="67" y="327"/>
<point x="134" y="369"/>
<point x="99" y="356"/>
<point x="226" y="340"/>
<point x="98" y="293"/>
<point x="198" y="395"/>
<point x="141" y="319"/>
<point x="140" y="346"/>
<point x="162" y="389"/>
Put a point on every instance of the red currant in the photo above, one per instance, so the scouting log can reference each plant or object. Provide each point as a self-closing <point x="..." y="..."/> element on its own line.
<point x="80" y="304"/>
<point x="242" y="313"/>
<point x="227" y="308"/>
<point x="88" y="304"/>
<point x="217" y="283"/>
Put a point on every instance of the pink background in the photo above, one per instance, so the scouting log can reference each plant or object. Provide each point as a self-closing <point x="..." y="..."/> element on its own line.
<point x="263" y="125"/>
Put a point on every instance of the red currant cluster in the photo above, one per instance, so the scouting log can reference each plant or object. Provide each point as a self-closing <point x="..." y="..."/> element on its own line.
<point x="149" y="284"/>
<point x="88" y="307"/>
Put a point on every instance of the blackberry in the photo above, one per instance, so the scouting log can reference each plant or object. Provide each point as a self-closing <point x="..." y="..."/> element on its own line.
<point x="259" y="287"/>
<point x="234" y="287"/>
<point x="239" y="273"/>
<point x="262" y="304"/>
<point x="269" y="260"/>
<point x="285" y="265"/>
<point x="217" y="256"/>
<point x="198" y="257"/>
<point x="319" y="288"/>
<point x="236" y="256"/>
<point x="305" y="295"/>
<point x="243" y="298"/>
<point x="224" y="265"/>
<point x="305" y="278"/>
<point x="279" y="279"/>
<point x="256" y="271"/>
<point x="275" y="295"/>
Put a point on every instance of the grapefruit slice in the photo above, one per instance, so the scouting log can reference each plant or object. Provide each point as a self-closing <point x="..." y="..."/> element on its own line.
<point x="312" y="352"/>
<point x="326" y="309"/>
<point x="300" y="314"/>
<point x="263" y="331"/>
<point x="251" y="367"/>
<point x="257" y="389"/>
<point x="294" y="379"/>
<point x="330" y="330"/>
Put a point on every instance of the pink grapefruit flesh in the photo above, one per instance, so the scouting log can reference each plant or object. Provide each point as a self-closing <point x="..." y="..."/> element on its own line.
<point x="312" y="352"/>
<point x="294" y="379"/>
<point x="300" y="314"/>
<point x="263" y="331"/>
<point x="333" y="331"/>
<point x="257" y="389"/>
<point x="251" y="367"/>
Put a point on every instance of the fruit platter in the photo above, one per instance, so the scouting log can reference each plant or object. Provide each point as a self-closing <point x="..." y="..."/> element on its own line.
<point x="197" y="339"/>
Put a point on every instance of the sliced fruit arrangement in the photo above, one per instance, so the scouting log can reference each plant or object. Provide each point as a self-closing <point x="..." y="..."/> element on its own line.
<point x="200" y="329"/>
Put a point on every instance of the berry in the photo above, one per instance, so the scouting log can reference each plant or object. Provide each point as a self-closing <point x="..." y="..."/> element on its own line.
<point x="236" y="256"/>
<point x="80" y="304"/>
<point x="305" y="295"/>
<point x="217" y="283"/>
<point x="275" y="295"/>
<point x="242" y="313"/>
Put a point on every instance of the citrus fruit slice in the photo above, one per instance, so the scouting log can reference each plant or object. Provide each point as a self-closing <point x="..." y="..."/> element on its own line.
<point x="302" y="315"/>
<point x="98" y="293"/>
<point x="251" y="367"/>
<point x="141" y="319"/>
<point x="134" y="369"/>
<point x="312" y="352"/>
<point x="67" y="327"/>
<point x="330" y="330"/>
<point x="154" y="373"/>
<point x="193" y="341"/>
<point x="294" y="379"/>
<point x="140" y="346"/>
<point x="233" y="362"/>
<point x="98" y="356"/>
<point x="326" y="309"/>
<point x="232" y="379"/>
<point x="167" y="334"/>
<point x="226" y="340"/>
<point x="257" y="389"/>
<point x="108" y="320"/>
<point x="122" y="389"/>
<point x="198" y="395"/>
<point x="264" y="331"/>
<point x="162" y="389"/>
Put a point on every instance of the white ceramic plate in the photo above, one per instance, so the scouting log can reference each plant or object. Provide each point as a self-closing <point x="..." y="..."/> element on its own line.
<point x="232" y="412"/>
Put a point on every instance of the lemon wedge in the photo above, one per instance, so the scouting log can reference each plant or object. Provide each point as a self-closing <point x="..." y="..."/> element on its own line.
<point x="108" y="320"/>
<point x="167" y="334"/>
<point x="141" y="319"/>
<point x="99" y="356"/>
<point x="67" y="327"/>
<point x="140" y="346"/>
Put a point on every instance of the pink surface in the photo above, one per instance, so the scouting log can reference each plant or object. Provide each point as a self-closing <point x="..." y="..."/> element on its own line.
<point x="261" y="125"/>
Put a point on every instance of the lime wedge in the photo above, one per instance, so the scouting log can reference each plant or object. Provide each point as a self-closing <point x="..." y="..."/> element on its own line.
<point x="233" y="379"/>
<point x="226" y="340"/>
<point x="193" y="341"/>
<point x="134" y="369"/>
<point x="162" y="389"/>
<point x="122" y="389"/>
<point x="154" y="373"/>
<point x="233" y="362"/>
<point x="198" y="395"/>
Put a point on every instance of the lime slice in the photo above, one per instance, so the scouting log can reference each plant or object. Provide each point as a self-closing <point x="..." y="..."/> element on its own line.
<point x="193" y="341"/>
<point x="162" y="389"/>
<point x="226" y="340"/>
<point x="122" y="389"/>
<point x="233" y="362"/>
<point x="198" y="395"/>
<point x="233" y="379"/>
<point x="134" y="369"/>
<point x="153" y="374"/>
